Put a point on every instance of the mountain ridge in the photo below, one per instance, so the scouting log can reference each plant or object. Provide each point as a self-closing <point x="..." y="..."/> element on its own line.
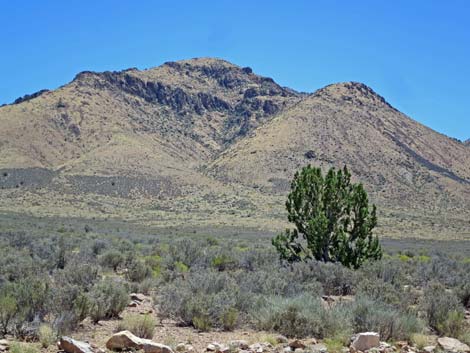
<point x="221" y="143"/>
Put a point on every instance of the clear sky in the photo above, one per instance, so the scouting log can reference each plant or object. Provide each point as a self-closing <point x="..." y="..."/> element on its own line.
<point x="414" y="53"/>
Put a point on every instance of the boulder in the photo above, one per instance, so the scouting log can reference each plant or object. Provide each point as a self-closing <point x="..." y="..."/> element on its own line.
<point x="213" y="347"/>
<point x="365" y="341"/>
<point x="125" y="340"/>
<point x="281" y="339"/>
<point x="4" y="345"/>
<point x="138" y="297"/>
<point x="69" y="345"/>
<point x="429" y="349"/>
<point x="452" y="345"/>
<point x="319" y="348"/>
<point x="240" y="344"/>
<point x="297" y="344"/>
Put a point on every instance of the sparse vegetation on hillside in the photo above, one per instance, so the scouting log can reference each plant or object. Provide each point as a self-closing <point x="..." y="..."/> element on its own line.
<point x="221" y="283"/>
<point x="332" y="218"/>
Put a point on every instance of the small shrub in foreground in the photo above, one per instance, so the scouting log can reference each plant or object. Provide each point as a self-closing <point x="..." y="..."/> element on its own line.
<point x="390" y="322"/>
<point x="108" y="298"/>
<point x="302" y="316"/>
<point x="46" y="336"/>
<point x="443" y="310"/>
<point x="23" y="348"/>
<point x="142" y="326"/>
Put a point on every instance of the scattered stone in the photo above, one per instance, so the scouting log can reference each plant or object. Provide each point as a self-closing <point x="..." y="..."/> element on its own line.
<point x="429" y="349"/>
<point x="365" y="341"/>
<point x="297" y="344"/>
<point x="181" y="347"/>
<point x="125" y="340"/>
<point x="281" y="339"/>
<point x="4" y="345"/>
<point x="133" y="304"/>
<point x="452" y="345"/>
<point x="70" y="345"/>
<point x="401" y="344"/>
<point x="240" y="344"/>
<point x="213" y="347"/>
<point x="319" y="348"/>
<point x="257" y="348"/>
<point x="138" y="297"/>
<point x="311" y="342"/>
<point x="287" y="349"/>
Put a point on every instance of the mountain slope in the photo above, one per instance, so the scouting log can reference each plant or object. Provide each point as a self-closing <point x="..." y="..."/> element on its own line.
<point x="203" y="142"/>
<point x="398" y="159"/>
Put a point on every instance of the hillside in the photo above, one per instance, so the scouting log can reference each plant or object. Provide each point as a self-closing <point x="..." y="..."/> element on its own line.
<point x="206" y="143"/>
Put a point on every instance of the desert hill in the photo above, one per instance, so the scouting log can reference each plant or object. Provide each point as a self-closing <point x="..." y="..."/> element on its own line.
<point x="204" y="142"/>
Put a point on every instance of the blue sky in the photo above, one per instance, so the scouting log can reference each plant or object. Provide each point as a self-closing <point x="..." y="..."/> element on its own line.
<point x="414" y="53"/>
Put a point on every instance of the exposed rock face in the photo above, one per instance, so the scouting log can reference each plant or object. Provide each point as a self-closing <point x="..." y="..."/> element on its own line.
<point x="28" y="97"/>
<point x="365" y="341"/>
<point x="452" y="345"/>
<point x="125" y="340"/>
<point x="70" y="345"/>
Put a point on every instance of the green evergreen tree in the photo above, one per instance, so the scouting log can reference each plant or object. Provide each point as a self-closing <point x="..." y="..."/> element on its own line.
<point x="332" y="218"/>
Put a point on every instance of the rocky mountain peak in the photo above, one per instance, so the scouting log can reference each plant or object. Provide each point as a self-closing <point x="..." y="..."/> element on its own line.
<point x="351" y="91"/>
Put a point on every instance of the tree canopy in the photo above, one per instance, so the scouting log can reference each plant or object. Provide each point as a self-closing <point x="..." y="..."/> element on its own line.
<point x="332" y="218"/>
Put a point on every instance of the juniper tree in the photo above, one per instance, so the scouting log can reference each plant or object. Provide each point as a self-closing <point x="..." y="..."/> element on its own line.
<point x="332" y="218"/>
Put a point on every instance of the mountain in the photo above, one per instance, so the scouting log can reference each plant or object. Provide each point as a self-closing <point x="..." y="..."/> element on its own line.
<point x="205" y="143"/>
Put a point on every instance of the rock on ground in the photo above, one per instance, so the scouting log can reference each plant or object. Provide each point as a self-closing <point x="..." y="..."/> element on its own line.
<point x="70" y="345"/>
<point x="125" y="340"/>
<point x="365" y="341"/>
<point x="452" y="345"/>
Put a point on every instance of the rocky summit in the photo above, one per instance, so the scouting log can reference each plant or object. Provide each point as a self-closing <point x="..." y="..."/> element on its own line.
<point x="206" y="143"/>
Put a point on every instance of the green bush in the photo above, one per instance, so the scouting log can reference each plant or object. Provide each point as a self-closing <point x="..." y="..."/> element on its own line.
<point x="302" y="316"/>
<point x="112" y="259"/>
<point x="46" y="336"/>
<point x="389" y="321"/>
<point x="443" y="310"/>
<point x="107" y="299"/>
<point x="8" y="311"/>
<point x="140" y="325"/>
<point x="17" y="347"/>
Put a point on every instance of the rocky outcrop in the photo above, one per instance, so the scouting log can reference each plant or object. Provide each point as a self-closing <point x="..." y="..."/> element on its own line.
<point x="449" y="344"/>
<point x="28" y="97"/>
<point x="125" y="340"/>
<point x="365" y="341"/>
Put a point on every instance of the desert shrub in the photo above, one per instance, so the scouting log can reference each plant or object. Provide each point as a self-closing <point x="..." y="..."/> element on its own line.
<point x="137" y="270"/>
<point x="301" y="316"/>
<point x="112" y="259"/>
<point x="229" y="319"/>
<point x="284" y="281"/>
<point x="8" y="310"/>
<point x="334" y="278"/>
<point x="46" y="335"/>
<point x="107" y="299"/>
<point x="17" y="347"/>
<point x="420" y="341"/>
<point x="140" y="325"/>
<point x="380" y="291"/>
<point x="391" y="323"/>
<point x="443" y="310"/>
<point x="223" y="262"/>
<point x="203" y="300"/>
<point x="463" y="293"/>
